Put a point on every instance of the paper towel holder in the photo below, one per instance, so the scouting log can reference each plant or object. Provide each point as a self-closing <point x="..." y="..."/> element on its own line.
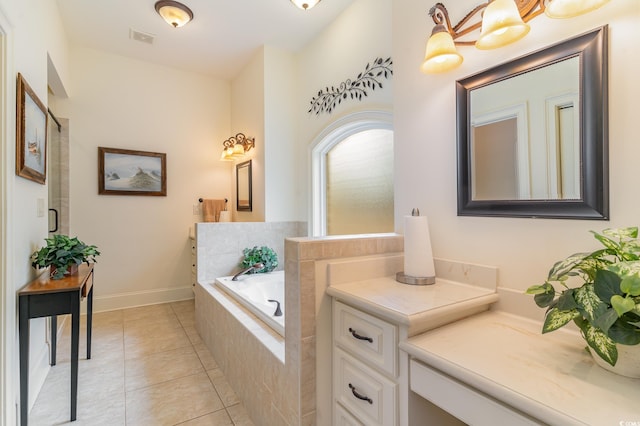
<point x="401" y="277"/>
<point x="408" y="279"/>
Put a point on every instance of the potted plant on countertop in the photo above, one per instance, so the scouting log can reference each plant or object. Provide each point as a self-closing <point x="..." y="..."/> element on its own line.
<point x="600" y="293"/>
<point x="63" y="254"/>
<point x="264" y="255"/>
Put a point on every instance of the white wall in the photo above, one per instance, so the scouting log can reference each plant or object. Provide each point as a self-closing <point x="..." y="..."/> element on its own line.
<point x="425" y="155"/>
<point x="262" y="105"/>
<point x="34" y="31"/>
<point x="359" y="35"/>
<point x="281" y="168"/>
<point x="248" y="117"/>
<point x="125" y="103"/>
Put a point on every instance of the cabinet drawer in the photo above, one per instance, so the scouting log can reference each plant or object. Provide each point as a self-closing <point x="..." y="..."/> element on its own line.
<point x="465" y="403"/>
<point x="366" y="337"/>
<point x="367" y="394"/>
<point x="344" y="418"/>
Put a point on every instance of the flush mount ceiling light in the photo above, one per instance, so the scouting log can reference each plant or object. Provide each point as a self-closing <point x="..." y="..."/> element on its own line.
<point x="236" y="146"/>
<point x="502" y="22"/>
<point x="305" y="4"/>
<point x="174" y="13"/>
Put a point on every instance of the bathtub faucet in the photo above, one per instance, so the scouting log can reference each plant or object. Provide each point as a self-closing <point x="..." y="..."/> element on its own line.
<point x="256" y="266"/>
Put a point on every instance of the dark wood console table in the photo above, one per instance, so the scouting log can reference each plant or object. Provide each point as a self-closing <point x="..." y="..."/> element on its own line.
<point x="44" y="297"/>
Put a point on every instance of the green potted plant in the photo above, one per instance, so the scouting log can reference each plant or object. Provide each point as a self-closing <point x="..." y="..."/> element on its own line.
<point x="63" y="254"/>
<point x="263" y="255"/>
<point x="600" y="293"/>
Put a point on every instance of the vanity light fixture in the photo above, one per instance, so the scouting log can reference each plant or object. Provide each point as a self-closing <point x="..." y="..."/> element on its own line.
<point x="236" y="146"/>
<point x="501" y="25"/>
<point x="502" y="22"/>
<point x="174" y="13"/>
<point x="305" y="4"/>
<point x="571" y="8"/>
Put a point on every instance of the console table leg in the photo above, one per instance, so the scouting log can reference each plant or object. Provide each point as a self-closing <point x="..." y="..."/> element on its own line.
<point x="75" y="339"/>
<point x="54" y="338"/>
<point x="24" y="358"/>
<point x="89" y="319"/>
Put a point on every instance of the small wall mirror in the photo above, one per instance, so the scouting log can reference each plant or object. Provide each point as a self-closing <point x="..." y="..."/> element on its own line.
<point x="533" y="134"/>
<point x="243" y="186"/>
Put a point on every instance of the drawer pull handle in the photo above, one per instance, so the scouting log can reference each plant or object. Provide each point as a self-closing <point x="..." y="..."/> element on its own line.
<point x="359" y="337"/>
<point x="358" y="395"/>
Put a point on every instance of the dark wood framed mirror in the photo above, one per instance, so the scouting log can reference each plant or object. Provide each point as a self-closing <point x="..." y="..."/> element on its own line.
<point x="243" y="186"/>
<point x="532" y="134"/>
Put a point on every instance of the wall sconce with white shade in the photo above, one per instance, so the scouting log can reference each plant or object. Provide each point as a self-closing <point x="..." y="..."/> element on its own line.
<point x="236" y="147"/>
<point x="174" y="13"/>
<point x="502" y="22"/>
<point x="305" y="4"/>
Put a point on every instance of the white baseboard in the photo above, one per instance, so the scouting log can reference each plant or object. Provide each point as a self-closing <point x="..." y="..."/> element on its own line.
<point x="140" y="298"/>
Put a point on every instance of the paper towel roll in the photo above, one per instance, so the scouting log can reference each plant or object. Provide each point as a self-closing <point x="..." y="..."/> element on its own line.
<point x="225" y="216"/>
<point x="418" y="257"/>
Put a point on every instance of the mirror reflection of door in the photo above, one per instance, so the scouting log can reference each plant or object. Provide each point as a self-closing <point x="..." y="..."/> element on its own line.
<point x="58" y="174"/>
<point x="535" y="156"/>
<point x="359" y="184"/>
<point x="495" y="153"/>
<point x="243" y="186"/>
<point x="564" y="148"/>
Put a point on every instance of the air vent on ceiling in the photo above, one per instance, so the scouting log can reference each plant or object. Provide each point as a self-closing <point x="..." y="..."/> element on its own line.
<point x="140" y="36"/>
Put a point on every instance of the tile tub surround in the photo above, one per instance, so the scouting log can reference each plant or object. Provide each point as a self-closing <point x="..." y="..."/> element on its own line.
<point x="249" y="354"/>
<point x="219" y="245"/>
<point x="287" y="390"/>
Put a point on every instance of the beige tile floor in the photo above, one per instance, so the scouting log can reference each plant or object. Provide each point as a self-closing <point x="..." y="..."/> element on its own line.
<point x="148" y="366"/>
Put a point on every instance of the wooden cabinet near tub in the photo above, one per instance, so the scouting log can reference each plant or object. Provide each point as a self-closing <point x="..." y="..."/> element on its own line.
<point x="365" y="368"/>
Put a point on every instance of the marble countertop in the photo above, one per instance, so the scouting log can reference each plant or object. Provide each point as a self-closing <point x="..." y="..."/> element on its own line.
<point x="550" y="377"/>
<point x="420" y="308"/>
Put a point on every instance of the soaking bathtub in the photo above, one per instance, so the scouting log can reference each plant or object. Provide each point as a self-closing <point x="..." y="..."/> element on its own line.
<point x="253" y="291"/>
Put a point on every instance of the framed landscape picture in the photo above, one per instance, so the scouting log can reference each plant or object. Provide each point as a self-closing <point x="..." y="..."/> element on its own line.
<point x="127" y="172"/>
<point x="31" y="134"/>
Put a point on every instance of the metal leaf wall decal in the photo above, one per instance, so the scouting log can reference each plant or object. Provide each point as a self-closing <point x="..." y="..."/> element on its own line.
<point x="328" y="99"/>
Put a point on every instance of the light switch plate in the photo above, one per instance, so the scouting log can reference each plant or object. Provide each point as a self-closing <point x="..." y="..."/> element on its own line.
<point x="40" y="208"/>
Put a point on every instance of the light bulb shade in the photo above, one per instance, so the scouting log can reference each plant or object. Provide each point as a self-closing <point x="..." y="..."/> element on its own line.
<point x="571" y="8"/>
<point x="441" y="54"/>
<point x="238" y="150"/>
<point x="174" y="13"/>
<point x="501" y="25"/>
<point x="305" y="4"/>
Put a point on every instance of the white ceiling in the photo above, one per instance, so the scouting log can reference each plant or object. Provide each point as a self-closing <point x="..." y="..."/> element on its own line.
<point x="220" y="40"/>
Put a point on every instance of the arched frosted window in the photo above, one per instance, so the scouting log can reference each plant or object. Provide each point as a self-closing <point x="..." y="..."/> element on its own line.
<point x="359" y="184"/>
<point x="352" y="176"/>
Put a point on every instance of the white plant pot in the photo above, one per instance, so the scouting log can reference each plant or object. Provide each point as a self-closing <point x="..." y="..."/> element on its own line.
<point x="628" y="361"/>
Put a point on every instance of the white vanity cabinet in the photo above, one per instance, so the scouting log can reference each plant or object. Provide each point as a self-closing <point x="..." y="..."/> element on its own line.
<point x="365" y="368"/>
<point x="447" y="393"/>
<point x="371" y="319"/>
<point x="499" y="369"/>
